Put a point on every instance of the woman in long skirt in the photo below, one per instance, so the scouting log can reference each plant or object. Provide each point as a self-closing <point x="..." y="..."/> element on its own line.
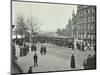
<point x="72" y="61"/>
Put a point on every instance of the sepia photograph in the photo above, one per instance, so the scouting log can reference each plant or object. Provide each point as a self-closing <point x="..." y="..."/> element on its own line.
<point x="52" y="37"/>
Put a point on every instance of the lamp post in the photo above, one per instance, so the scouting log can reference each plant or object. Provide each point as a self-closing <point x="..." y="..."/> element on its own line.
<point x="72" y="31"/>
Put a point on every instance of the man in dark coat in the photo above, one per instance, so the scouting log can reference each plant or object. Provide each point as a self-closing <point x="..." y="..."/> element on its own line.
<point x="27" y="48"/>
<point x="44" y="50"/>
<point x="21" y="51"/>
<point x="35" y="48"/>
<point x="30" y="69"/>
<point x="82" y="46"/>
<point x="24" y="51"/>
<point x="89" y="61"/>
<point x="77" y="45"/>
<point x="41" y="51"/>
<point x="35" y="57"/>
<point x="32" y="47"/>
<point x="13" y="50"/>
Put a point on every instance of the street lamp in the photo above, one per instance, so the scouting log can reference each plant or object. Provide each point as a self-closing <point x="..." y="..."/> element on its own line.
<point x="72" y="31"/>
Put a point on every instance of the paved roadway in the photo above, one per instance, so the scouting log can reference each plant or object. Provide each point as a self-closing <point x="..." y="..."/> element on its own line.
<point x="56" y="59"/>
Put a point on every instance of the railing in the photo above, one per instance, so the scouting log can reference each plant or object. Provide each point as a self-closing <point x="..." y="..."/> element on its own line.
<point x="20" y="69"/>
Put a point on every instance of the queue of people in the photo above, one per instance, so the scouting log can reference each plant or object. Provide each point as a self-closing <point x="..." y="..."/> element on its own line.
<point x="80" y="46"/>
<point x="83" y="46"/>
<point x="24" y="50"/>
<point x="33" y="48"/>
<point x="56" y="41"/>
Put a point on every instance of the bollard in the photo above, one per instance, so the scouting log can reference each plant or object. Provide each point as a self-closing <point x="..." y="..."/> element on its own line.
<point x="72" y="65"/>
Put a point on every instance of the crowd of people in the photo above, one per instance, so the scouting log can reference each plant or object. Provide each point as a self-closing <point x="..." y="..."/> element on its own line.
<point x="33" y="47"/>
<point x="83" y="46"/>
<point x="24" y="50"/>
<point x="60" y="42"/>
<point x="90" y="62"/>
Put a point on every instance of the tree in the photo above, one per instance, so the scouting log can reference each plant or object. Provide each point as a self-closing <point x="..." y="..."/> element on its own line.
<point x="33" y="25"/>
<point x="58" y="31"/>
<point x="20" y="26"/>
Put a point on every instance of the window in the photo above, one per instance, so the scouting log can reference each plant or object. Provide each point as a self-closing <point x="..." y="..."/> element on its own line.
<point x="80" y="13"/>
<point x="81" y="27"/>
<point x="92" y="10"/>
<point x="88" y="26"/>
<point x="88" y="18"/>
<point x="84" y="12"/>
<point x="88" y="11"/>
<point x="92" y="17"/>
<point x="84" y="26"/>
<point x="88" y="35"/>
<point x="84" y="19"/>
<point x="91" y="27"/>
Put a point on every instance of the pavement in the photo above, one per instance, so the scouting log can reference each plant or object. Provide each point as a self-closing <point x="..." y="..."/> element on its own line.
<point x="56" y="58"/>
<point x="14" y="69"/>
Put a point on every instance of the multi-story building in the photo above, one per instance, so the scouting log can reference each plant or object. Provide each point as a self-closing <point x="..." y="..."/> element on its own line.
<point x="74" y="25"/>
<point x="83" y="23"/>
<point x="86" y="22"/>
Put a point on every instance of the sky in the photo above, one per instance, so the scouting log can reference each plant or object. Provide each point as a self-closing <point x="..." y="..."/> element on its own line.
<point x="50" y="16"/>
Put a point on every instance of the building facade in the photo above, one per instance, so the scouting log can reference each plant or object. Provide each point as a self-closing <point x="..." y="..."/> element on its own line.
<point x="86" y="22"/>
<point x="83" y="23"/>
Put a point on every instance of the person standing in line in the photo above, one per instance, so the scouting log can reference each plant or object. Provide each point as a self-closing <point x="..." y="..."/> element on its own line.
<point x="44" y="50"/>
<point x="41" y="51"/>
<point x="32" y="47"/>
<point x="35" y="48"/>
<point x="82" y="46"/>
<point x="35" y="57"/>
<point x="21" y="51"/>
<point x="27" y="48"/>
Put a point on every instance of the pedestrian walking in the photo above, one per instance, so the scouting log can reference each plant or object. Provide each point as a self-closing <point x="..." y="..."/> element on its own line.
<point x="35" y="57"/>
